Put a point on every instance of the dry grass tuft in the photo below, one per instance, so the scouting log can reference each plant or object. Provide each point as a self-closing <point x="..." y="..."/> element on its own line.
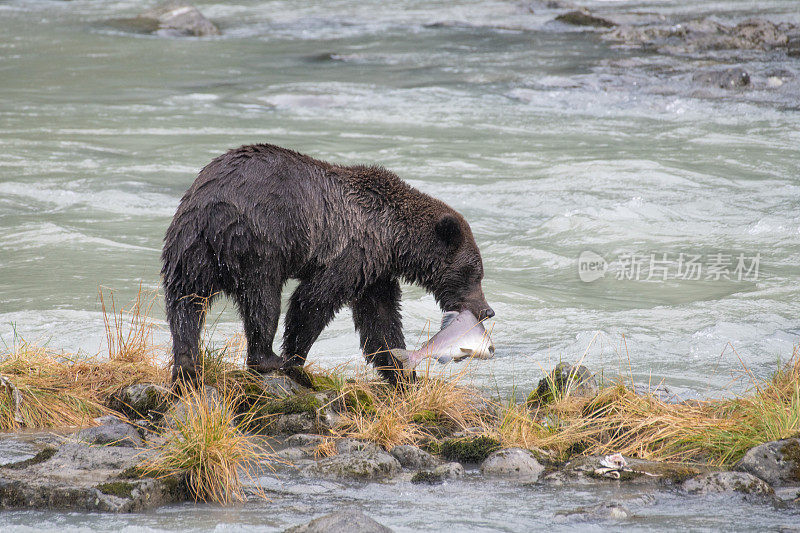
<point x="410" y="415"/>
<point x="206" y="446"/>
<point x="40" y="387"/>
<point x="716" y="432"/>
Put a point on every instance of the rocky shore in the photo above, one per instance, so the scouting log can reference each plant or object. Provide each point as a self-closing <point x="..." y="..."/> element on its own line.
<point x="100" y="468"/>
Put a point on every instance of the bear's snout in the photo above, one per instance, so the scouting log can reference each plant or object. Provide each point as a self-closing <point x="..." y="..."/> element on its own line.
<point x="486" y="313"/>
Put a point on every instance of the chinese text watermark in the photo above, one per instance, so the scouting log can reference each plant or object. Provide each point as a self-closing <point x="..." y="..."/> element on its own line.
<point x="670" y="266"/>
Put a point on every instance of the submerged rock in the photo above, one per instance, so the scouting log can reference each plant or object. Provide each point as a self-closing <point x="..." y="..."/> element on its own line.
<point x="84" y="478"/>
<point x="172" y="18"/>
<point x="360" y="465"/>
<point x="413" y="457"/>
<point x="777" y="462"/>
<point x="517" y="463"/>
<point x="601" y="511"/>
<point x="565" y="380"/>
<point x="350" y="520"/>
<point x="439" y="474"/>
<point x="114" y="432"/>
<point x="720" y="482"/>
<point x="730" y="78"/>
<point x="582" y="17"/>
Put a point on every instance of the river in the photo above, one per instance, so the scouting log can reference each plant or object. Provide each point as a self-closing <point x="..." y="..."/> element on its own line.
<point x="551" y="142"/>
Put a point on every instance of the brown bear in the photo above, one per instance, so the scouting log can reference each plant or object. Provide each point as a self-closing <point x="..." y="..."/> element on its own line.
<point x="260" y="215"/>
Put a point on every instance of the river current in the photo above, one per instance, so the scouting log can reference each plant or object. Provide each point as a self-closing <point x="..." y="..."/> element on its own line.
<point x="589" y="174"/>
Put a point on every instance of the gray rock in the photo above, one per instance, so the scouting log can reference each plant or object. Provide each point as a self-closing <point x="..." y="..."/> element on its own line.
<point x="305" y="439"/>
<point x="291" y="424"/>
<point x="565" y="380"/>
<point x="701" y="35"/>
<point x="517" y="463"/>
<point x="113" y="433"/>
<point x="84" y="478"/>
<point x="363" y="465"/>
<point x="349" y="521"/>
<point x="142" y="400"/>
<point x="601" y="511"/>
<point x="173" y="18"/>
<point x="730" y="78"/>
<point x="179" y="18"/>
<point x="413" y="457"/>
<point x="793" y="44"/>
<point x="280" y="386"/>
<point x="441" y="473"/>
<point x="777" y="462"/>
<point x="354" y="445"/>
<point x="721" y="482"/>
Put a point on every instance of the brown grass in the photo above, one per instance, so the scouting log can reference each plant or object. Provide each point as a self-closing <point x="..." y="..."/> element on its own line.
<point x="40" y="387"/>
<point x="206" y="445"/>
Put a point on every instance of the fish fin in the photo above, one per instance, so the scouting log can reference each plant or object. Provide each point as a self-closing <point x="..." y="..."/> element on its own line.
<point x="448" y="317"/>
<point x="465" y="350"/>
<point x="404" y="356"/>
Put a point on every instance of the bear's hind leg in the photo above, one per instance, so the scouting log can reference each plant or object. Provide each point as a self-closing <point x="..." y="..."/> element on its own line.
<point x="260" y="308"/>
<point x="376" y="314"/>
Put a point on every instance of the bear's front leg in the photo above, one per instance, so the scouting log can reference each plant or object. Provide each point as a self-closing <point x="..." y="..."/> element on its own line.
<point x="312" y="306"/>
<point x="376" y="314"/>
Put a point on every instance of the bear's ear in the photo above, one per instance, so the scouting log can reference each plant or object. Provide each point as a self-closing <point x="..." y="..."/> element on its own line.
<point x="449" y="230"/>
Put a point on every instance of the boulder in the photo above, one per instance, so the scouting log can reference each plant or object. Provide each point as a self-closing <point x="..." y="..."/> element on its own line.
<point x="517" y="463"/>
<point x="173" y="18"/>
<point x="141" y="400"/>
<point x="721" y="482"/>
<point x="178" y="18"/>
<point x="439" y="474"/>
<point x="777" y="462"/>
<point x="113" y="432"/>
<point x="565" y="380"/>
<point x="413" y="457"/>
<point x="350" y="521"/>
<point x="305" y="439"/>
<point x="729" y="78"/>
<point x="360" y="465"/>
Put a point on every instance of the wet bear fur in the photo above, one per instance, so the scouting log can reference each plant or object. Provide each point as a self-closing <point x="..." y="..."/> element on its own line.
<point x="259" y="215"/>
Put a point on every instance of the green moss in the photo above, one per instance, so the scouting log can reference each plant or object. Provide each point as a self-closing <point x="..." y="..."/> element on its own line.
<point x="468" y="449"/>
<point x="324" y="382"/>
<point x="359" y="401"/>
<point x="40" y="457"/>
<point x="297" y="403"/>
<point x="791" y="453"/>
<point x="120" y="489"/>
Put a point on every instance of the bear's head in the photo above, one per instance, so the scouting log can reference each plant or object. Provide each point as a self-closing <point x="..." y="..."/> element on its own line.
<point x="457" y="284"/>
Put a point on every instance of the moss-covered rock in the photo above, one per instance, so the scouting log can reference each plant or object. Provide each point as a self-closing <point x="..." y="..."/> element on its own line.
<point x="777" y="462"/>
<point x="120" y="489"/>
<point x="468" y="449"/>
<point x="564" y="380"/>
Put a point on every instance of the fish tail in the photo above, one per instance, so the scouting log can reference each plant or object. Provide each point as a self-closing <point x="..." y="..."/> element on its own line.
<point x="404" y="356"/>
